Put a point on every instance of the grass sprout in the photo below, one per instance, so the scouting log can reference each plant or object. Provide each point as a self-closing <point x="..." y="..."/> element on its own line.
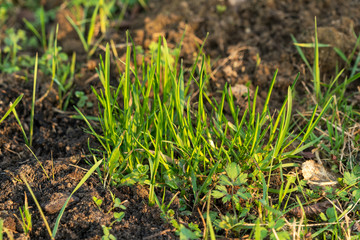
<point x="52" y="233"/>
<point x="12" y="107"/>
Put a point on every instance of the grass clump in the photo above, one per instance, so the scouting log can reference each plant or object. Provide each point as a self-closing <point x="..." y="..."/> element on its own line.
<point x="154" y="132"/>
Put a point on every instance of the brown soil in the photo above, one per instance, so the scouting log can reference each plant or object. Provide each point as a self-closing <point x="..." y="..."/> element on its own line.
<point x="247" y="42"/>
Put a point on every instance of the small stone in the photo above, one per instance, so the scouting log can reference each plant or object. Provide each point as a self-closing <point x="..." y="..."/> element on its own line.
<point x="57" y="202"/>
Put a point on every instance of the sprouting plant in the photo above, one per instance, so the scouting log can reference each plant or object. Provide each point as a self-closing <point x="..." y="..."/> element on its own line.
<point x="107" y="235"/>
<point x="118" y="216"/>
<point x="82" y="102"/>
<point x="12" y="107"/>
<point x="87" y="38"/>
<point x="138" y="175"/>
<point x="41" y="15"/>
<point x="28" y="139"/>
<point x="13" y="42"/>
<point x="26" y="217"/>
<point x="97" y="201"/>
<point x="236" y="181"/>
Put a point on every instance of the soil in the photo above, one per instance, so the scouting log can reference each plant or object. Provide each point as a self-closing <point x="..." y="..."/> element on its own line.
<point x="248" y="40"/>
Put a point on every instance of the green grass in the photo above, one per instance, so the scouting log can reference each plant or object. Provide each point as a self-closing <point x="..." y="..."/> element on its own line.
<point x="155" y="133"/>
<point x="159" y="127"/>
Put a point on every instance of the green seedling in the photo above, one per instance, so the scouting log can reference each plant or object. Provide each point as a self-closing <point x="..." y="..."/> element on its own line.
<point x="26" y="218"/>
<point x="107" y="235"/>
<point x="28" y="140"/>
<point x="42" y="36"/>
<point x="97" y="201"/>
<point x="138" y="175"/>
<point x="233" y="179"/>
<point x="209" y="226"/>
<point x="12" y="107"/>
<point x="87" y="43"/>
<point x="33" y="102"/>
<point x="82" y="102"/>
<point x="118" y="216"/>
<point x="13" y="42"/>
<point x="192" y="230"/>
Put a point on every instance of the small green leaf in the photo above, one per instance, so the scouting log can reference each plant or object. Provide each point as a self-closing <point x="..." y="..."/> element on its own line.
<point x="243" y="194"/>
<point x="79" y="94"/>
<point x="226" y="199"/>
<point x="323" y="217"/>
<point x="241" y="179"/>
<point x="97" y="201"/>
<point x="330" y="213"/>
<point x="233" y="171"/>
<point x="356" y="194"/>
<point x="117" y="202"/>
<point x="279" y="224"/>
<point x="186" y="233"/>
<point x="105" y="230"/>
<point x="221" y="192"/>
<point x="224" y="180"/>
<point x="119" y="216"/>
<point x="349" y="178"/>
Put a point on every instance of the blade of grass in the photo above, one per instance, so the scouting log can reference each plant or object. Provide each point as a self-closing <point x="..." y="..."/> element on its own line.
<point x="82" y="181"/>
<point x="38" y="206"/>
<point x="12" y="106"/>
<point x="80" y="34"/>
<point x="301" y="53"/>
<point x="33" y="102"/>
<point x="316" y="67"/>
<point x="21" y="127"/>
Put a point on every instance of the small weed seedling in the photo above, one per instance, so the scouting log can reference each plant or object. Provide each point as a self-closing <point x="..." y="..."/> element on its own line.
<point x="28" y="140"/>
<point x="26" y="217"/>
<point x="118" y="216"/>
<point x="13" y="42"/>
<point x="87" y="40"/>
<point x="97" y="202"/>
<point x="233" y="179"/>
<point x="82" y="102"/>
<point x="12" y="107"/>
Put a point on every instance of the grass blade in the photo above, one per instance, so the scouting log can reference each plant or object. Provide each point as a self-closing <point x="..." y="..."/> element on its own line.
<point x="82" y="181"/>
<point x="12" y="106"/>
<point x="38" y="206"/>
<point x="33" y="102"/>
<point x="80" y="34"/>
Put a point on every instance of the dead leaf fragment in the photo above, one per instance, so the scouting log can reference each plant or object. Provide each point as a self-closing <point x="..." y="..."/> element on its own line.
<point x="312" y="210"/>
<point x="317" y="174"/>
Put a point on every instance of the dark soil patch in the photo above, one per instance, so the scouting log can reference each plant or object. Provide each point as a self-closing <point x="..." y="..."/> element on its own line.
<point x="248" y="42"/>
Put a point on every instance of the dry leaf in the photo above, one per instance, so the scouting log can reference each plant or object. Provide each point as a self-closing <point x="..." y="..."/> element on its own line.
<point x="311" y="211"/>
<point x="317" y="174"/>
